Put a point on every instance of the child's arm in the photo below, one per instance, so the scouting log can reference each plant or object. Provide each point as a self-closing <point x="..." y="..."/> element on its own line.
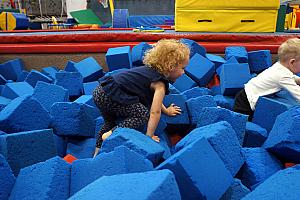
<point x="290" y="85"/>
<point x="156" y="107"/>
<point x="297" y="79"/>
<point x="172" y="110"/>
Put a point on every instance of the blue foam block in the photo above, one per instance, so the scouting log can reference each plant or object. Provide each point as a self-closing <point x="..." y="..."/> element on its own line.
<point x="194" y="47"/>
<point x="120" y="18"/>
<point x="231" y="60"/>
<point x="211" y="115"/>
<point x="3" y="81"/>
<point x="239" y="52"/>
<point x="16" y="89"/>
<point x="165" y="144"/>
<point x="86" y="99"/>
<point x="196" y="92"/>
<point x="120" y="161"/>
<point x="236" y="191"/>
<point x="26" y="148"/>
<point x="34" y="76"/>
<point x="89" y="69"/>
<point x="10" y="70"/>
<point x="73" y="119"/>
<point x="22" y="76"/>
<point x="200" y="69"/>
<point x="178" y="100"/>
<point x="217" y="60"/>
<point x="151" y="185"/>
<point x="282" y="185"/>
<point x="70" y="66"/>
<point x="61" y="143"/>
<point x="259" y="60"/>
<point x="184" y="83"/>
<point x="71" y="81"/>
<point x="119" y="57"/>
<point x="205" y="178"/>
<point x="255" y="135"/>
<point x="195" y="105"/>
<point x="274" y="106"/>
<point x="233" y="77"/>
<point x="135" y="141"/>
<point x="259" y="165"/>
<point x="45" y="180"/>
<point x="284" y="138"/>
<point x="47" y="94"/>
<point x="173" y="90"/>
<point x="7" y="178"/>
<point x="81" y="148"/>
<point x="138" y="52"/>
<point x="50" y="71"/>
<point x="224" y="101"/>
<point x="89" y="87"/>
<point x="23" y="114"/>
<point x="223" y="139"/>
<point x="4" y="102"/>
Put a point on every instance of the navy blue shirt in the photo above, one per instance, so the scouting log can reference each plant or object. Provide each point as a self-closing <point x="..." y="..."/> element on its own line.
<point x="133" y="85"/>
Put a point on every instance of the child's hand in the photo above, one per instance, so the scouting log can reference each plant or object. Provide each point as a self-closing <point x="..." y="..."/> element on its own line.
<point x="173" y="110"/>
<point x="155" y="138"/>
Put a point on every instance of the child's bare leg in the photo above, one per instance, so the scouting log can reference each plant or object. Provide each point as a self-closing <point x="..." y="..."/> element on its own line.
<point x="96" y="152"/>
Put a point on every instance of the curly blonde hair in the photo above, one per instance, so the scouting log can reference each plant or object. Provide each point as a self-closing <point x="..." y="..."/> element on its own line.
<point x="289" y="49"/>
<point x="166" y="54"/>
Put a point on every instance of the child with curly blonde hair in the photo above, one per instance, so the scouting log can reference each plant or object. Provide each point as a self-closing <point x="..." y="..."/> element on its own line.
<point x="134" y="97"/>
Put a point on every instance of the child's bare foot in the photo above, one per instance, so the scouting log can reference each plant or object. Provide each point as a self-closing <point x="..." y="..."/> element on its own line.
<point x="106" y="135"/>
<point x="96" y="152"/>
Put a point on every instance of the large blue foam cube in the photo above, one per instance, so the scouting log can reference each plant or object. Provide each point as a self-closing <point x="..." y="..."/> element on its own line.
<point x="138" y="52"/>
<point x="119" y="57"/>
<point x="71" y="81"/>
<point x="16" y="89"/>
<point x="81" y="148"/>
<point x="224" y="101"/>
<point x="22" y="76"/>
<point x="195" y="105"/>
<point x="47" y="94"/>
<point x="194" y="47"/>
<point x="73" y="119"/>
<point x="151" y="185"/>
<point x="3" y="81"/>
<point x="223" y="139"/>
<point x="259" y="60"/>
<point x="7" y="178"/>
<point x="86" y="99"/>
<point x="283" y="140"/>
<point x="50" y="71"/>
<point x="259" y="165"/>
<point x="135" y="141"/>
<point x="233" y="77"/>
<point x="255" y="135"/>
<point x="196" y="92"/>
<point x="23" y="114"/>
<point x="178" y="100"/>
<point x="218" y="60"/>
<point x="34" y="76"/>
<point x="199" y="171"/>
<point x="27" y="148"/>
<point x="89" y="87"/>
<point x="89" y="69"/>
<point x="10" y="70"/>
<point x="200" y="69"/>
<point x="45" y="180"/>
<point x="274" y="106"/>
<point x="211" y="115"/>
<point x="70" y="66"/>
<point x="120" y="161"/>
<point x="231" y="60"/>
<point x="236" y="191"/>
<point x="184" y="83"/>
<point x="282" y="185"/>
<point x="239" y="52"/>
<point x="4" y="102"/>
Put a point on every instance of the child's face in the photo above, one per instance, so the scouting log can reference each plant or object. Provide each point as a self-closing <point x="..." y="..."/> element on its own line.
<point x="178" y="70"/>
